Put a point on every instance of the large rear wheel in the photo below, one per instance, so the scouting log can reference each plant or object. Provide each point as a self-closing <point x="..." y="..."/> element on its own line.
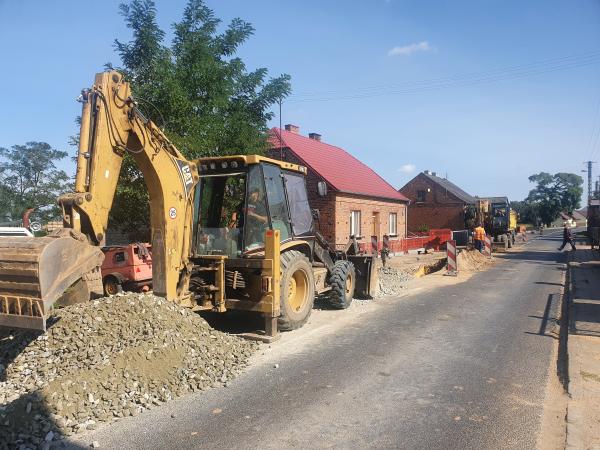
<point x="297" y="290"/>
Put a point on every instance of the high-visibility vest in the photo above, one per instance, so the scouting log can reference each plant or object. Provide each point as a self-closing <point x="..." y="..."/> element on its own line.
<point x="479" y="233"/>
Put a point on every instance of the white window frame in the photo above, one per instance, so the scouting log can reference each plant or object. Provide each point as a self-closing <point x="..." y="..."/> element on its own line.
<point x="355" y="218"/>
<point x="393" y="224"/>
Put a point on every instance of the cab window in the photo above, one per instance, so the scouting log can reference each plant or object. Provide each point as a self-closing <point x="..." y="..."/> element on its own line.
<point x="302" y="221"/>
<point x="257" y="215"/>
<point x="280" y="218"/>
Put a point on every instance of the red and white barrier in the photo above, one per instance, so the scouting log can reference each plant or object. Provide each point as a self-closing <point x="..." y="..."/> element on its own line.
<point x="452" y="266"/>
<point x="374" y="246"/>
<point x="487" y="249"/>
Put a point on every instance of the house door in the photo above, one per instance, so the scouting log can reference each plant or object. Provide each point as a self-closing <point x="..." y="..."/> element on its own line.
<point x="375" y="225"/>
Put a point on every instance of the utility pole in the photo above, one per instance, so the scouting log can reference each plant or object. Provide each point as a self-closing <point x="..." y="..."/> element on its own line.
<point x="280" y="140"/>
<point x="589" y="176"/>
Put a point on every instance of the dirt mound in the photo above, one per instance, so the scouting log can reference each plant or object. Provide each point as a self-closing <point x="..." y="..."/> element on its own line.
<point x="391" y="281"/>
<point x="472" y="261"/>
<point x="107" y="359"/>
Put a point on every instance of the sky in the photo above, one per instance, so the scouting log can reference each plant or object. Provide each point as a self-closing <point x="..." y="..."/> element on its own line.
<point x="484" y="92"/>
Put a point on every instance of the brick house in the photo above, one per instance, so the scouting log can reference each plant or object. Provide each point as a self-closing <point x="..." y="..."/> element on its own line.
<point x="436" y="202"/>
<point x="358" y="201"/>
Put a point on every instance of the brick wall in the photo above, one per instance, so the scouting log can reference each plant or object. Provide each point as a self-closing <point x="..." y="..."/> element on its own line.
<point x="345" y="203"/>
<point x="441" y="209"/>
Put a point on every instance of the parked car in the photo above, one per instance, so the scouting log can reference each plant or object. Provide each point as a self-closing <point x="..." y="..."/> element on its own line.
<point x="15" y="232"/>
<point x="127" y="267"/>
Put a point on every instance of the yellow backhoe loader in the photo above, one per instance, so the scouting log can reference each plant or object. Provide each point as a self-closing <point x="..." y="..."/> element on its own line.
<point x="231" y="232"/>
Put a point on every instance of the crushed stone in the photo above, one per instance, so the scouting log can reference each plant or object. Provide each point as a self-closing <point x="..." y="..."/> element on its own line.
<point x="391" y="281"/>
<point x="104" y="360"/>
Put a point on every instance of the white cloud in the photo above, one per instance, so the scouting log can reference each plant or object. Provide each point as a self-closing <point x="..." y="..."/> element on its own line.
<point x="407" y="50"/>
<point x="407" y="168"/>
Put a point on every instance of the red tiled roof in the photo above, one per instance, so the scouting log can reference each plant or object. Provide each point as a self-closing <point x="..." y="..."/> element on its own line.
<point x="336" y="166"/>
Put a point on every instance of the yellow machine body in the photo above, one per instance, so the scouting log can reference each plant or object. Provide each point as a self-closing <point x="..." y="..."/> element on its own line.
<point x="278" y="277"/>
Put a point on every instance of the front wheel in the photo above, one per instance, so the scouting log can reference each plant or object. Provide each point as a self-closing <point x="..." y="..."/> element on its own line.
<point x="342" y="282"/>
<point x="297" y="290"/>
<point x="112" y="286"/>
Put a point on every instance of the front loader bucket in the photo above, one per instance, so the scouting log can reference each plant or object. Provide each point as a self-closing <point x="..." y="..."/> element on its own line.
<point x="35" y="272"/>
<point x="366" y="275"/>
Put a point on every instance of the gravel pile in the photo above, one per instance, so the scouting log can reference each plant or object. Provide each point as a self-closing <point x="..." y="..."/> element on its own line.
<point x="391" y="281"/>
<point x="104" y="360"/>
<point x="473" y="261"/>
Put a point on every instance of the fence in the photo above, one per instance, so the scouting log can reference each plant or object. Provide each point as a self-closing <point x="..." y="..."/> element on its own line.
<point x="434" y="239"/>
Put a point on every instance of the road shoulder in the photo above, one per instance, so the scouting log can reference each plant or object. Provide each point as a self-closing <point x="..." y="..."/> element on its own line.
<point x="583" y="411"/>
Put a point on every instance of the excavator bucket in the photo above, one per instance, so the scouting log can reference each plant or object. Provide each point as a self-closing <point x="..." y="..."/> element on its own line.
<point x="36" y="272"/>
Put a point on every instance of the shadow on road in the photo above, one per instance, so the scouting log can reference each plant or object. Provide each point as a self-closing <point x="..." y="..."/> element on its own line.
<point x="550" y="320"/>
<point x="234" y="322"/>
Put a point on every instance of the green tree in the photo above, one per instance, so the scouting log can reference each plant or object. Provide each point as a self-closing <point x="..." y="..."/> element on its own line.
<point x="527" y="211"/>
<point x="196" y="89"/>
<point x="29" y="178"/>
<point x="554" y="194"/>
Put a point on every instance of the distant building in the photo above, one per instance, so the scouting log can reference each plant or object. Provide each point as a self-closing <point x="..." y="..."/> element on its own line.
<point x="358" y="202"/>
<point x="436" y="202"/>
<point x="580" y="218"/>
<point x="576" y="219"/>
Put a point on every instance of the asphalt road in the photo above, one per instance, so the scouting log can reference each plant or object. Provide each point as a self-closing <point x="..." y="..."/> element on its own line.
<point x="462" y="366"/>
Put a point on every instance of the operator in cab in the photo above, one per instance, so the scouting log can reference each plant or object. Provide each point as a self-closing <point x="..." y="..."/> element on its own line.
<point x="257" y="220"/>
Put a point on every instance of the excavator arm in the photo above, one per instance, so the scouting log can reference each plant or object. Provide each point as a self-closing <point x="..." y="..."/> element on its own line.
<point x="34" y="272"/>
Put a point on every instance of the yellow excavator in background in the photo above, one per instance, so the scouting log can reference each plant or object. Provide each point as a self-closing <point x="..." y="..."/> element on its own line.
<point x="231" y="232"/>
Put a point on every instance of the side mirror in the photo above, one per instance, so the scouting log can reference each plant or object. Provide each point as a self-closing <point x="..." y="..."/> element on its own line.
<point x="322" y="188"/>
<point x="316" y="214"/>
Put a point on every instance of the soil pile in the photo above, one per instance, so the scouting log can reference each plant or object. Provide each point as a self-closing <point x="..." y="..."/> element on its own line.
<point x="107" y="359"/>
<point x="391" y="281"/>
<point x="472" y="261"/>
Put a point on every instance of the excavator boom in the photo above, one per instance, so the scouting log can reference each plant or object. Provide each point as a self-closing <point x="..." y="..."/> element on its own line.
<point x="36" y="272"/>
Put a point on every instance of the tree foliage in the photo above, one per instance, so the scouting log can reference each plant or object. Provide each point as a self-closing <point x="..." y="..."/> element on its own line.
<point x="29" y="178"/>
<point x="554" y="194"/>
<point x="195" y="88"/>
<point x="527" y="212"/>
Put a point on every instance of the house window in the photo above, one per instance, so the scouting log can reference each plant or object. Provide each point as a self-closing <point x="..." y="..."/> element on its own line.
<point x="421" y="196"/>
<point x="355" y="223"/>
<point x="393" y="228"/>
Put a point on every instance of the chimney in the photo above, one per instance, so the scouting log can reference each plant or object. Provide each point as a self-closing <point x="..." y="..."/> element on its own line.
<point x="315" y="136"/>
<point x="292" y="128"/>
<point x="427" y="172"/>
<point x="434" y="174"/>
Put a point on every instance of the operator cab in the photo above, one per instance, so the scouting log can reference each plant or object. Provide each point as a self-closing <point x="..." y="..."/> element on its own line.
<point x="239" y="198"/>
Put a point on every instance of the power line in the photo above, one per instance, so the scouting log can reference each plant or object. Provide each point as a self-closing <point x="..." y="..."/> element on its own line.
<point x="512" y="72"/>
<point x="530" y="65"/>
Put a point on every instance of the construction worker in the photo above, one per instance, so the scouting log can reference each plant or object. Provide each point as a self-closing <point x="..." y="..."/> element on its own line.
<point x="479" y="237"/>
<point x="567" y="238"/>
